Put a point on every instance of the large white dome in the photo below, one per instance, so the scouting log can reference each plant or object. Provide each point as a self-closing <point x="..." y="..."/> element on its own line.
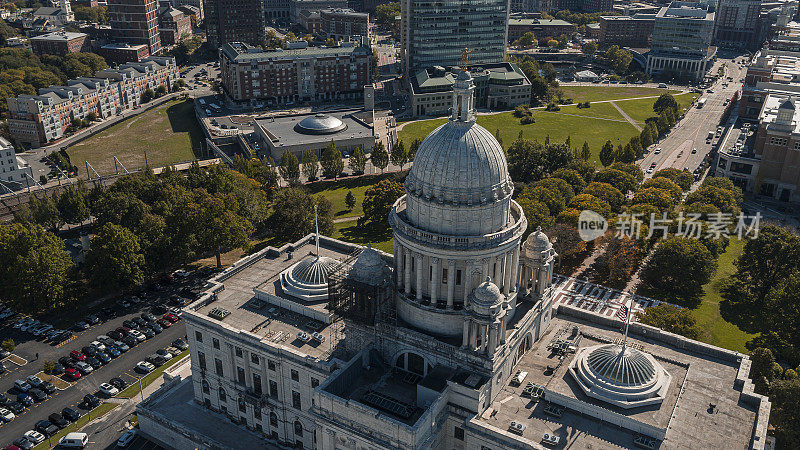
<point x="459" y="183"/>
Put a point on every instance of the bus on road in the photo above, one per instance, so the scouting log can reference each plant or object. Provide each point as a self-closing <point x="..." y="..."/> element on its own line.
<point x="701" y="103"/>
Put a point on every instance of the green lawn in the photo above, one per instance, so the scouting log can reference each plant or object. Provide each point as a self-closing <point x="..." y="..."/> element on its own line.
<point x="336" y="191"/>
<point x="713" y="328"/>
<point x="133" y="389"/>
<point x="605" y="92"/>
<point x="78" y="424"/>
<point x="557" y="126"/>
<point x="641" y="109"/>
<point x="350" y="231"/>
<point x="169" y="133"/>
<point x="601" y="110"/>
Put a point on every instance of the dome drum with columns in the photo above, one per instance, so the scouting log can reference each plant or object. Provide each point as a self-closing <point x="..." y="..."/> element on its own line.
<point x="457" y="233"/>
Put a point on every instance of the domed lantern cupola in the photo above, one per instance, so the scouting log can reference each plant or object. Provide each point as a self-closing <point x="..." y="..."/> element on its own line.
<point x="484" y="324"/>
<point x="463" y="98"/>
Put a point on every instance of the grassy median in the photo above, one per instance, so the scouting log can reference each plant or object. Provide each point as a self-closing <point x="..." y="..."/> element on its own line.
<point x="133" y="389"/>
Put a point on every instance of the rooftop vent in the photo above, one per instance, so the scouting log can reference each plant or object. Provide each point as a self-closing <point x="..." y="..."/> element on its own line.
<point x="219" y="313"/>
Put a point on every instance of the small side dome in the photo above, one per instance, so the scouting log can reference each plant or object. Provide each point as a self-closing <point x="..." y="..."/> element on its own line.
<point x="538" y="241"/>
<point x="369" y="267"/>
<point x="486" y="295"/>
<point x="320" y="124"/>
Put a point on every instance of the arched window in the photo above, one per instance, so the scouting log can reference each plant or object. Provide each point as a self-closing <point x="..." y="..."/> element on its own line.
<point x="298" y="428"/>
<point x="273" y="419"/>
<point x="206" y="387"/>
<point x="222" y="396"/>
<point x="413" y="363"/>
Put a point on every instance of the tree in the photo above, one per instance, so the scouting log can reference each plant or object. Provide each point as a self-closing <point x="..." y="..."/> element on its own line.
<point x="412" y="150"/>
<point x="589" y="48"/>
<point x="723" y="199"/>
<point x="48" y="367"/>
<point x="115" y="258"/>
<point x="222" y="228"/>
<point x="399" y="155"/>
<point x="350" y="200"/>
<point x="35" y="268"/>
<point x="785" y="413"/>
<point x="91" y="117"/>
<point x="607" y="193"/>
<point x="148" y="95"/>
<point x="379" y="156"/>
<point x="682" y="178"/>
<point x="385" y="13"/>
<point x="332" y="161"/>
<point x="670" y="318"/>
<point x="659" y="198"/>
<point x="585" y="152"/>
<point x="378" y="200"/>
<point x="572" y="177"/>
<point x="664" y="102"/>
<point x="607" y="154"/>
<point x="161" y="90"/>
<point x="664" y="184"/>
<point x="678" y="268"/>
<point x="358" y="161"/>
<point x="310" y="164"/>
<point x="567" y="242"/>
<point x="537" y="213"/>
<point x="8" y="345"/>
<point x="619" y="59"/>
<point x="583" y="202"/>
<point x="289" y="168"/>
<point x="527" y="40"/>
<point x="72" y="205"/>
<point x="293" y="214"/>
<point x="617" y="178"/>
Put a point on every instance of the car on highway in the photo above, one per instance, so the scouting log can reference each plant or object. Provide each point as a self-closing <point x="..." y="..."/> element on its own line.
<point x="34" y="436"/>
<point x="694" y="150"/>
<point x="6" y="415"/>
<point x="72" y="374"/>
<point x="144" y="367"/>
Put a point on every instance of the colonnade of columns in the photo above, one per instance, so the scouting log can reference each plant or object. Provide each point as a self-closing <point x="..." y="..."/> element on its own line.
<point x="417" y="274"/>
<point x="483" y="336"/>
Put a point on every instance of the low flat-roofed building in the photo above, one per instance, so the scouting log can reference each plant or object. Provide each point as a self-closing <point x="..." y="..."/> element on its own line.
<point x="120" y="53"/>
<point x="348" y="129"/>
<point x="59" y="43"/>
<point x="497" y="86"/>
<point x="15" y="173"/>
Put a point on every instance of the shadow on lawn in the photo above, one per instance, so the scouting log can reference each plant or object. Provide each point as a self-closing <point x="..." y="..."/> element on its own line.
<point x="366" y="233"/>
<point x="183" y="120"/>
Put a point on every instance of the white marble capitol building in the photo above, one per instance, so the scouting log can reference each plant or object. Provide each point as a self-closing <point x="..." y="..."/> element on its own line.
<point x="452" y="342"/>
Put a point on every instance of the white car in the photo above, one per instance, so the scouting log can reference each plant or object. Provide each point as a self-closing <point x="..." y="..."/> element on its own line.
<point x="144" y="366"/>
<point x="34" y="381"/>
<point x="126" y="439"/>
<point x="98" y="345"/>
<point x="658" y="151"/>
<point x="181" y="273"/>
<point x="34" y="436"/>
<point x="84" y="368"/>
<point x="138" y="335"/>
<point x="6" y="415"/>
<point x="109" y="390"/>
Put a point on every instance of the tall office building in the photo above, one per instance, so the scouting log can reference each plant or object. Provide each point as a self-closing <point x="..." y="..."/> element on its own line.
<point x="681" y="41"/>
<point x="436" y="33"/>
<point x="234" y="21"/>
<point x="737" y="24"/>
<point x="135" y="22"/>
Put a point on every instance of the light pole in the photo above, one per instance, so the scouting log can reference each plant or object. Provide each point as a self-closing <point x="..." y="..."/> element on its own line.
<point x="141" y="391"/>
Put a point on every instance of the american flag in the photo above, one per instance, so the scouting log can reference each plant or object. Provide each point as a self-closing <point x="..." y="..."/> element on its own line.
<point x="622" y="314"/>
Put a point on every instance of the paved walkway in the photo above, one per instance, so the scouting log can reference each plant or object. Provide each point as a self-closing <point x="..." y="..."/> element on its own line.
<point x="626" y="116"/>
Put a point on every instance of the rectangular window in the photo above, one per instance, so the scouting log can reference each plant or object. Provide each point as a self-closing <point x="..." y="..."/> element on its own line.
<point x="273" y="389"/>
<point x="777" y="141"/>
<point x="295" y="375"/>
<point x="257" y="384"/>
<point x="254" y="358"/>
<point x="242" y="406"/>
<point x="458" y="433"/>
<point x="444" y="276"/>
<point x="458" y="277"/>
<point x="296" y="399"/>
<point x="240" y="375"/>
<point x="218" y="366"/>
<point x="215" y="342"/>
<point x="430" y="273"/>
<point x="238" y="352"/>
<point x="314" y="382"/>
<point x="257" y="416"/>
<point x="198" y="336"/>
<point x="201" y="359"/>
<point x="271" y="365"/>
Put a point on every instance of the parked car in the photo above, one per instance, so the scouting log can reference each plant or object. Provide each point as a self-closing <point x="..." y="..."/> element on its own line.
<point x="180" y="344"/>
<point x="148" y="317"/>
<point x="116" y="335"/>
<point x="57" y="420"/>
<point x="91" y="401"/>
<point x="6" y="415"/>
<point x="89" y="351"/>
<point x="16" y="407"/>
<point x="155" y="327"/>
<point x="121" y="346"/>
<point x="92" y="319"/>
<point x="165" y="353"/>
<point x="113" y="352"/>
<point x="34" y="381"/>
<point x="144" y="367"/>
<point x="72" y="374"/>
<point x="46" y="428"/>
<point x="81" y="326"/>
<point x="98" y="345"/>
<point x="47" y="387"/>
<point x="130" y="341"/>
<point x="74" y="440"/>
<point x="58" y="369"/>
<point x="138" y="335"/>
<point x="25" y="399"/>
<point x="172" y="317"/>
<point x="108" y="390"/>
<point x="70" y="414"/>
<point x="38" y="395"/>
<point x="103" y="357"/>
<point x="84" y="367"/>
<point x="94" y="362"/>
<point x="118" y="383"/>
<point x="22" y="386"/>
<point x="147" y="332"/>
<point x="77" y="356"/>
<point x="126" y="439"/>
<point x="34" y="436"/>
<point x="130" y="324"/>
<point x="156" y="359"/>
<point x="23" y="443"/>
<point x="164" y="323"/>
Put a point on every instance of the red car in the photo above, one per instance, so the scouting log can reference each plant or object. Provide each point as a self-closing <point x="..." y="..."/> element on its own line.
<point x="72" y="374"/>
<point x="77" y="356"/>
<point x="172" y="317"/>
<point x="11" y="447"/>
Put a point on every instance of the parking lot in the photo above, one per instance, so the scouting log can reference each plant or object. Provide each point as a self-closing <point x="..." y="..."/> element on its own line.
<point x="31" y="352"/>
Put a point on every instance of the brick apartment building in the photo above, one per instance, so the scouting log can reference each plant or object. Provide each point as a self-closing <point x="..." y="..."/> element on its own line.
<point x="59" y="43"/>
<point x="234" y="21"/>
<point x="342" y="23"/>
<point x="626" y="31"/>
<point x="121" y="53"/>
<point x="135" y="22"/>
<point x="250" y="74"/>
<point x="173" y="25"/>
<point x="35" y="120"/>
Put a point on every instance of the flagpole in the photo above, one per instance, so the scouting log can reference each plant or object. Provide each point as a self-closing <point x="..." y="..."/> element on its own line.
<point x="316" y="225"/>
<point x="627" y="322"/>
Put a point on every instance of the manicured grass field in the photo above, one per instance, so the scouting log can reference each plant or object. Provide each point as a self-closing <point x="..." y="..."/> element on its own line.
<point x="600" y="110"/>
<point x="557" y="126"/>
<point x="336" y="192"/>
<point x="169" y="133"/>
<point x="350" y="231"/>
<point x="641" y="109"/>
<point x="714" y="329"/>
<point x="606" y="92"/>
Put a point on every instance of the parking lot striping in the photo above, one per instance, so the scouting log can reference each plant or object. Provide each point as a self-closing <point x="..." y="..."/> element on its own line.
<point x="16" y="359"/>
